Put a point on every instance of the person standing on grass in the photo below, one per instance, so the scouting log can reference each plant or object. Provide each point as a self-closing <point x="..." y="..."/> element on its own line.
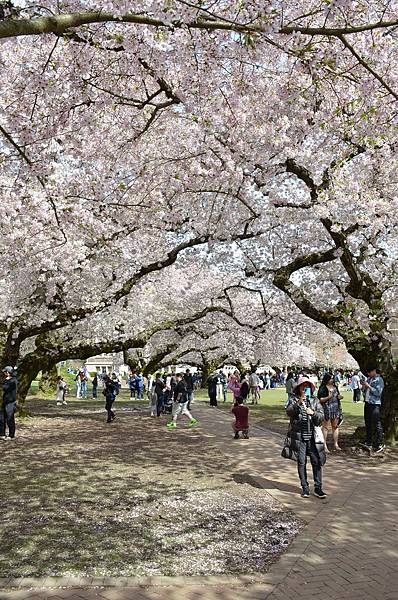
<point x="373" y="387"/>
<point x="180" y="406"/>
<point x="140" y="386"/>
<point x="8" y="405"/>
<point x="356" y="387"/>
<point x="95" y="386"/>
<point x="244" y="389"/>
<point x="234" y="385"/>
<point x="306" y="439"/>
<point x="254" y="383"/>
<point x="220" y="385"/>
<point x="132" y="381"/>
<point x="212" y="389"/>
<point x="241" y="423"/>
<point x="329" y="397"/>
<point x="188" y="378"/>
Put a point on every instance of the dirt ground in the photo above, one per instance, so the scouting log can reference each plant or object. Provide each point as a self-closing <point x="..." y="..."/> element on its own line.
<point x="82" y="497"/>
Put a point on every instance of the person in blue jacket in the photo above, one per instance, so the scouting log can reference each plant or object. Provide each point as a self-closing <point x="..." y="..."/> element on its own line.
<point x="373" y="388"/>
<point x="133" y="384"/>
<point x="140" y="385"/>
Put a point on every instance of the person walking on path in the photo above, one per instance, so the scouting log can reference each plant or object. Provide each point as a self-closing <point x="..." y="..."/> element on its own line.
<point x="373" y="388"/>
<point x="306" y="439"/>
<point x="180" y="406"/>
<point x="61" y="392"/>
<point x="329" y="397"/>
<point x="9" y="404"/>
<point x="110" y="396"/>
<point x="356" y="387"/>
<point x="241" y="423"/>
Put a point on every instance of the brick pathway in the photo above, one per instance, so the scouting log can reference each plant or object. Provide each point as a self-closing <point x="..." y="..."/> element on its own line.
<point x="347" y="551"/>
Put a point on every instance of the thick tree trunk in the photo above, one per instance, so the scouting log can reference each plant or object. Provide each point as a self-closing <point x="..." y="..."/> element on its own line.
<point x="26" y="375"/>
<point x="48" y="381"/>
<point x="208" y="367"/>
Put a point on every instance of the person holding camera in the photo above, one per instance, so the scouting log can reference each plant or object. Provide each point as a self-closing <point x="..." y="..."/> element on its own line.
<point x="305" y="433"/>
<point x="9" y="404"/>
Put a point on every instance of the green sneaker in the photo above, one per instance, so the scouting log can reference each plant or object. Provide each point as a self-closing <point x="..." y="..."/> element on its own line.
<point x="193" y="422"/>
<point x="171" y="425"/>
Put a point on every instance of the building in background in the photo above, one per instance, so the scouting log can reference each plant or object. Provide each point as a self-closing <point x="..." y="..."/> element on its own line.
<point x="107" y="364"/>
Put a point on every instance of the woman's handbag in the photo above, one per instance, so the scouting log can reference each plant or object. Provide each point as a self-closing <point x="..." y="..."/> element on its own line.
<point x="318" y="435"/>
<point x="287" y="450"/>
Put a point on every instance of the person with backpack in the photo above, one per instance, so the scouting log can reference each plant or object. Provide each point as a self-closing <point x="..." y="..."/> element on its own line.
<point x="8" y="405"/>
<point x="181" y="404"/>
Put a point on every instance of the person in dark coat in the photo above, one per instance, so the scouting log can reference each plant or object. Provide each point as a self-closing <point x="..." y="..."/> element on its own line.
<point x="306" y="417"/>
<point x="110" y="395"/>
<point x="212" y="389"/>
<point x="8" y="405"/>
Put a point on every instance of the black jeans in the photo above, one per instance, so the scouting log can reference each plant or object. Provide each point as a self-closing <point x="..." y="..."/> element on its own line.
<point x="213" y="399"/>
<point x="357" y="395"/>
<point x="159" y="404"/>
<point x="7" y="415"/>
<point x="308" y="448"/>
<point x="108" y="407"/>
<point x="372" y="421"/>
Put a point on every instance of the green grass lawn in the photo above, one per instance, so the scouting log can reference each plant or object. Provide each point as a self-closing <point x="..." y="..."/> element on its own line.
<point x="269" y="413"/>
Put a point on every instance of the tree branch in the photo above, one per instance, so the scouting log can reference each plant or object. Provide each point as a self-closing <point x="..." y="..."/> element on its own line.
<point x="58" y="24"/>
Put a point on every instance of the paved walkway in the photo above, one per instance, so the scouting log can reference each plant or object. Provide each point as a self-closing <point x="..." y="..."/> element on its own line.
<point x="347" y="551"/>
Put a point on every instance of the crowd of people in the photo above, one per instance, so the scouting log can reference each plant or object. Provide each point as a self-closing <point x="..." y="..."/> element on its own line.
<point x="314" y="410"/>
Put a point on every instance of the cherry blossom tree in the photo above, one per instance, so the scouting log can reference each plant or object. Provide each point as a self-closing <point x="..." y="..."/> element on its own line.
<point x="131" y="137"/>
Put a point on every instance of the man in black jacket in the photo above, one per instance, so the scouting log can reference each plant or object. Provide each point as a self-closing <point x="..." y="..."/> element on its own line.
<point x="188" y="378"/>
<point x="9" y="404"/>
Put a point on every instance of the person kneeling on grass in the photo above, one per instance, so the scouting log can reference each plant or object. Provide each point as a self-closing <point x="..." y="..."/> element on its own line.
<point x="180" y="406"/>
<point x="241" y="423"/>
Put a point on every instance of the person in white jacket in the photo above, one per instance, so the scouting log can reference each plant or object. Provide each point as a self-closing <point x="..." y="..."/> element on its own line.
<point x="61" y="392"/>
